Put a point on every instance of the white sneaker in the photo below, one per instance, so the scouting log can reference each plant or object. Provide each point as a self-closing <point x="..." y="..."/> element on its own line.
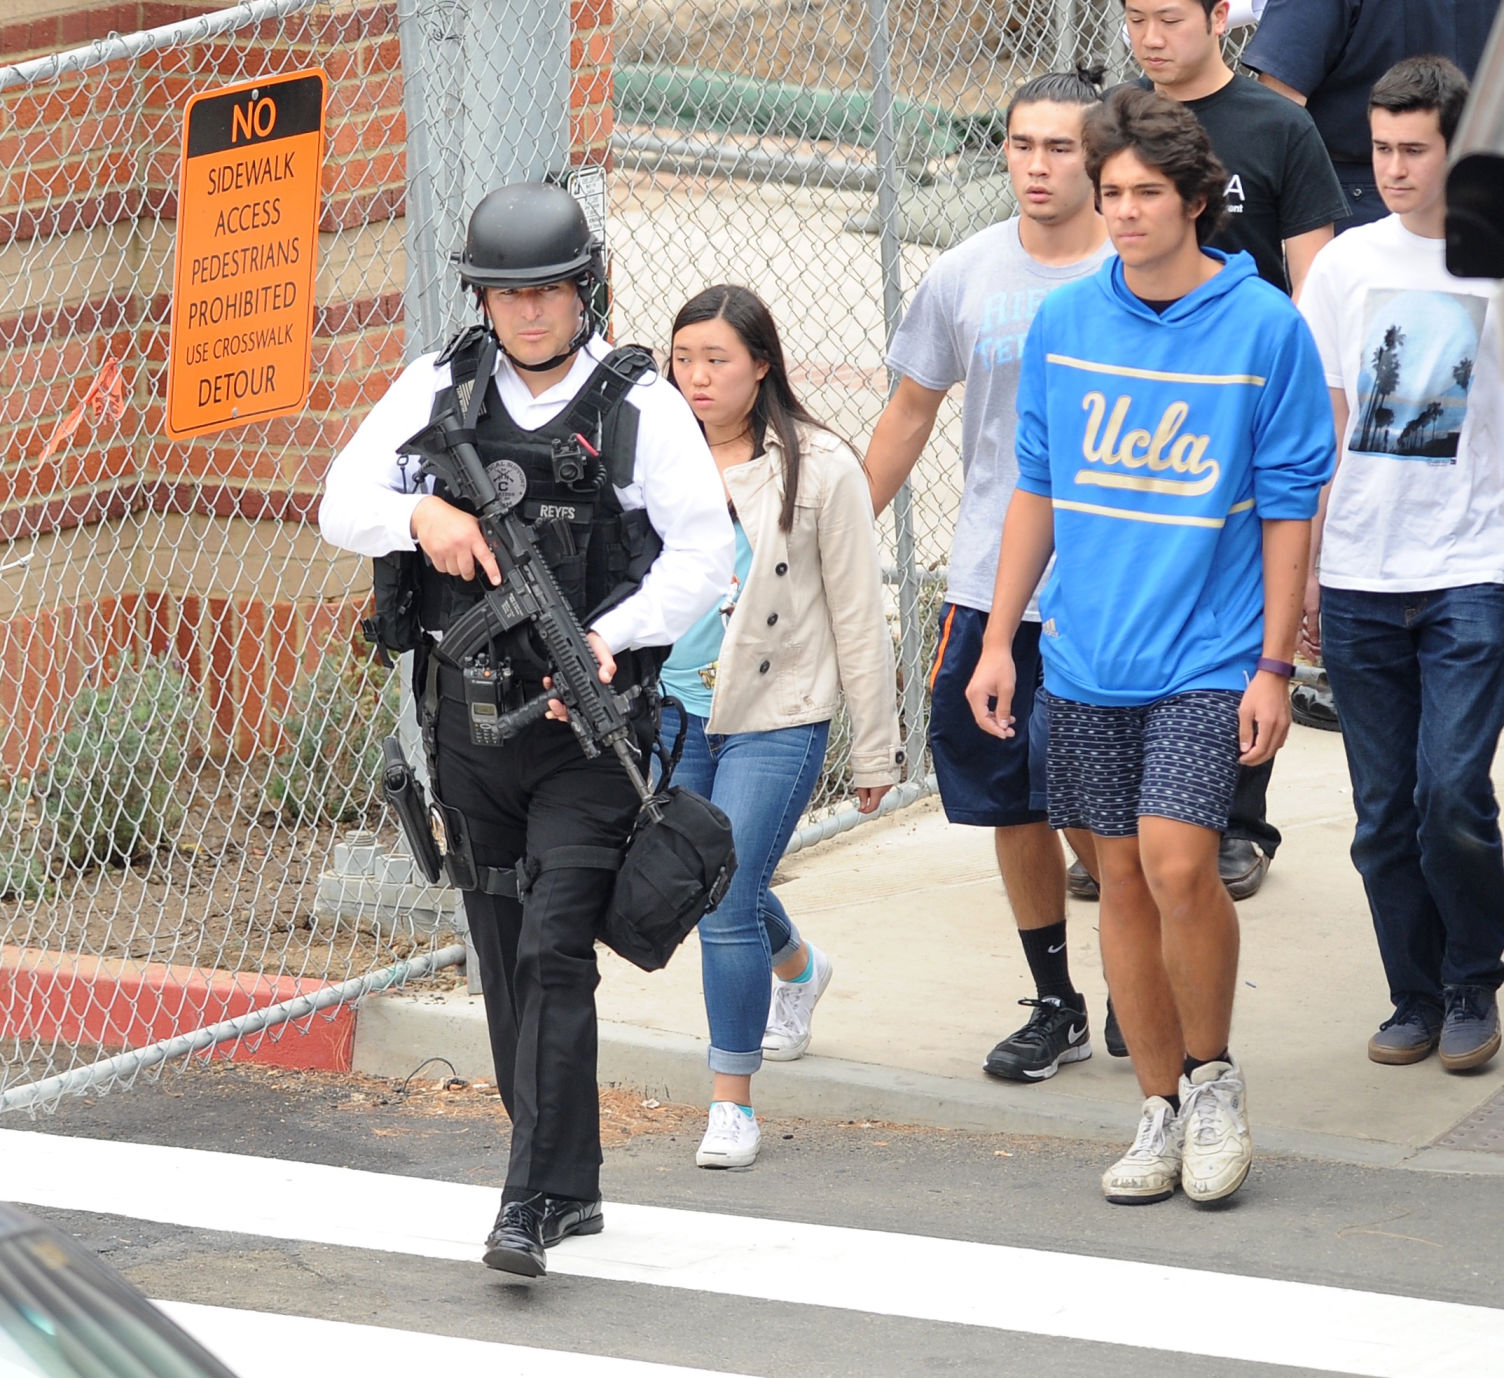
<point x="1218" y="1146"/>
<point x="1150" y="1170"/>
<point x="786" y="1038"/>
<point x="732" y="1138"/>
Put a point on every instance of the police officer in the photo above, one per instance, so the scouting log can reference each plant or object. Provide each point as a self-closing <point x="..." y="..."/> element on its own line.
<point x="641" y="544"/>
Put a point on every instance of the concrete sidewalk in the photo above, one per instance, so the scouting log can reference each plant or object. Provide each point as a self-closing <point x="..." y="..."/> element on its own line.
<point x="928" y="967"/>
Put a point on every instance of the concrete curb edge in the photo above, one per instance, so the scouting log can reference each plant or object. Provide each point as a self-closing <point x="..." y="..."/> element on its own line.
<point x="395" y="1033"/>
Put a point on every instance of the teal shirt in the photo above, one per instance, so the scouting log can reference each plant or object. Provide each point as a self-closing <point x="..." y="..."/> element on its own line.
<point x="689" y="672"/>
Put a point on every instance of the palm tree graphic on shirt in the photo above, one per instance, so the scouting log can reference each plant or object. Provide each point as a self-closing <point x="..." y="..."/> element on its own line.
<point x="1418" y="368"/>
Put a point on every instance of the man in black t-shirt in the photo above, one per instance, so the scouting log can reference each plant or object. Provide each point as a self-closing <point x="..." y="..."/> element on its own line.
<point x="1282" y="195"/>
<point x="1327" y="54"/>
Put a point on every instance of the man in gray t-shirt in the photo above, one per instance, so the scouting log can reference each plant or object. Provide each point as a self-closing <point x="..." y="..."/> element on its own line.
<point x="967" y="323"/>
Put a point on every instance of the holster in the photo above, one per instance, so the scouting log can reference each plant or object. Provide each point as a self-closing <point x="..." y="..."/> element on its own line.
<point x="405" y="795"/>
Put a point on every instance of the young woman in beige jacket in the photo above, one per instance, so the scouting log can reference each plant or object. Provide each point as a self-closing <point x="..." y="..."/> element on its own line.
<point x="760" y="678"/>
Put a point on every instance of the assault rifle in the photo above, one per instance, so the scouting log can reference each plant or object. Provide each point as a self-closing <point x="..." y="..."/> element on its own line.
<point x="528" y="595"/>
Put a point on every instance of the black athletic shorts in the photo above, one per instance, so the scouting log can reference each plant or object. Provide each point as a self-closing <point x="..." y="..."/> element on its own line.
<point x="986" y="781"/>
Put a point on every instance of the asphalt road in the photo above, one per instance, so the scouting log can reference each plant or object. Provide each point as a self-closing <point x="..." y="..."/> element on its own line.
<point x="1398" y="1231"/>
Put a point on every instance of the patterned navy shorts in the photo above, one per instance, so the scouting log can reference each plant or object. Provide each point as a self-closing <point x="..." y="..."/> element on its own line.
<point x="1176" y="759"/>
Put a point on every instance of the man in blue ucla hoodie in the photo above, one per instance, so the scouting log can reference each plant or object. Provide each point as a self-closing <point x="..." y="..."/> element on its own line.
<point x="1174" y="434"/>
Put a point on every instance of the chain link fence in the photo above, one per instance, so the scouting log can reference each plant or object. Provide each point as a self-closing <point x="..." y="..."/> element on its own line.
<point x="188" y="730"/>
<point x="189" y="823"/>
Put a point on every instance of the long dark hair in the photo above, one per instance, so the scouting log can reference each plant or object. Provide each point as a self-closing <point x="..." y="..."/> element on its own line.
<point x="775" y="406"/>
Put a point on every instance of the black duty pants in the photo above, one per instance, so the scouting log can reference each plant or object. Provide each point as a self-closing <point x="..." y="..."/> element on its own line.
<point x="537" y="958"/>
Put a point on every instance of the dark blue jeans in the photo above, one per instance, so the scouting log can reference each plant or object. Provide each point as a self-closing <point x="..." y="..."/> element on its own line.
<point x="763" y="781"/>
<point x="1418" y="679"/>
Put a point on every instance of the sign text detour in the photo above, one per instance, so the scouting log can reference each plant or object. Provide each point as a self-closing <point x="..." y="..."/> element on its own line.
<point x="248" y="212"/>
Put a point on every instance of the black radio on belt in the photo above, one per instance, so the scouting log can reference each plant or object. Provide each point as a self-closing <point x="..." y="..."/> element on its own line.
<point x="488" y="690"/>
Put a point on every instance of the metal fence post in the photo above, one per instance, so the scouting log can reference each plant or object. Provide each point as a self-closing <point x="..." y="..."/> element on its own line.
<point x="517" y="128"/>
<point x="1065" y="32"/>
<point x="480" y="113"/>
<point x="910" y="645"/>
<point x="423" y="35"/>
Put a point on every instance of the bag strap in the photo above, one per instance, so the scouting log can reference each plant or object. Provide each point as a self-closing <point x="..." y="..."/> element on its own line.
<point x="668" y="757"/>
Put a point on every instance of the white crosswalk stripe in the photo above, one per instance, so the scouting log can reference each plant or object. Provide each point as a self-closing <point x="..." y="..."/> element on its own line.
<point x="1036" y="1292"/>
<point x="256" y="1345"/>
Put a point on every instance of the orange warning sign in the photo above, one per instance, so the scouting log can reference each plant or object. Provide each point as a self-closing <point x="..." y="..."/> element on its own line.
<point x="240" y="346"/>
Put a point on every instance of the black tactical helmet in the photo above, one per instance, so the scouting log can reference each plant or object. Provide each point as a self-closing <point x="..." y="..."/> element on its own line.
<point x="529" y="235"/>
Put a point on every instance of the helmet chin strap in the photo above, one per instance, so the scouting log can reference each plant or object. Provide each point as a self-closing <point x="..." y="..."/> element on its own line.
<point x="587" y="328"/>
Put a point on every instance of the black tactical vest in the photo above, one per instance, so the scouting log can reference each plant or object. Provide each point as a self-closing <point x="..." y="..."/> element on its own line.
<point x="598" y="553"/>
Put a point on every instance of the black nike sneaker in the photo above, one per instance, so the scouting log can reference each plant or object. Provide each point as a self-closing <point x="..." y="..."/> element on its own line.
<point x="1056" y="1033"/>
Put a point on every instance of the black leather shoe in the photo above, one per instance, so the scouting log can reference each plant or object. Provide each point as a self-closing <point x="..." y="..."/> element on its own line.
<point x="1241" y="866"/>
<point x="566" y="1215"/>
<point x="515" y="1244"/>
<point x="1311" y="705"/>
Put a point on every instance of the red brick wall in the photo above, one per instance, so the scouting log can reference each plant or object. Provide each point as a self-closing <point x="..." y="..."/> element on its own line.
<point x="99" y="150"/>
<point x="85" y="20"/>
<point x="590" y="87"/>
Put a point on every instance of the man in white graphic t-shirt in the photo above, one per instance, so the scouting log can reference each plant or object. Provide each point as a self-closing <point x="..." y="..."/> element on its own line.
<point x="1408" y="604"/>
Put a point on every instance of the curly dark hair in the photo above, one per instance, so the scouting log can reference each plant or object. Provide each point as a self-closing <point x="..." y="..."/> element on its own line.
<point x="1162" y="134"/>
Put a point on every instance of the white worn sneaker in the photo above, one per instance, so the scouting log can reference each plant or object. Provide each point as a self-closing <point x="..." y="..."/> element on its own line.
<point x="1150" y="1170"/>
<point x="1218" y="1145"/>
<point x="732" y="1138"/>
<point x="786" y="1039"/>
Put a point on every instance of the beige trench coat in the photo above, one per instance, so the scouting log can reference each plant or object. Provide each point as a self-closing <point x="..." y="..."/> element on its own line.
<point x="810" y="625"/>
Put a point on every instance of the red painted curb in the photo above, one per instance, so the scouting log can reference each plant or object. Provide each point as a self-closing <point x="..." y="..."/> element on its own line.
<point x="117" y="1004"/>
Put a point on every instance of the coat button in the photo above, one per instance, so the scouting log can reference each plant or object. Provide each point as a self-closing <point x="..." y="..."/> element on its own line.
<point x="764" y="667"/>
<point x="780" y="568"/>
<point x="898" y="757"/>
<point x="772" y="619"/>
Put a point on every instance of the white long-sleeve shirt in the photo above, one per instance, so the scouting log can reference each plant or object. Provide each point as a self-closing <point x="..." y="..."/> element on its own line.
<point x="371" y="491"/>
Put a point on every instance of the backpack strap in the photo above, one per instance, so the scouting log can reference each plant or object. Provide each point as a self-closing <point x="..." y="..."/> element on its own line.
<point x="462" y="353"/>
<point x="471" y="356"/>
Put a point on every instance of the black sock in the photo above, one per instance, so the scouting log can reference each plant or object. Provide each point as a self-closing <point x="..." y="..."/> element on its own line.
<point x="1049" y="964"/>
<point x="1191" y="1063"/>
<point x="1174" y="1102"/>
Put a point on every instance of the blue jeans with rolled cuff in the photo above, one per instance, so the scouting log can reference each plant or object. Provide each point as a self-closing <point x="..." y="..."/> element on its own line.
<point x="1418" y="679"/>
<point x="763" y="782"/>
